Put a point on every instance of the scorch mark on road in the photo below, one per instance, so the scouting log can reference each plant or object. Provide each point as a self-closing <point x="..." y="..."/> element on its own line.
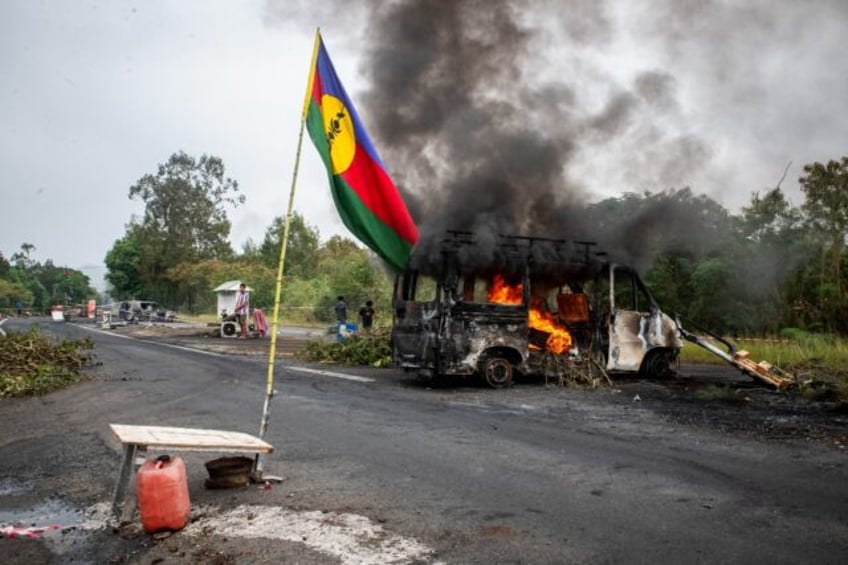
<point x="352" y="538"/>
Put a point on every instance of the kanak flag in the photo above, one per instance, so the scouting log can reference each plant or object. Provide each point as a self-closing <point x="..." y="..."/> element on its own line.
<point x="367" y="200"/>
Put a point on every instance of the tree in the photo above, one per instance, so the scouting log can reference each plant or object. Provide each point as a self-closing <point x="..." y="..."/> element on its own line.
<point x="184" y="219"/>
<point x="775" y="245"/>
<point x="301" y="250"/>
<point x="353" y="272"/>
<point x="826" y="209"/>
<point x="636" y="228"/>
<point x="11" y="292"/>
<point x="5" y="266"/>
<point x="123" y="264"/>
<point x="41" y="285"/>
<point x="770" y="218"/>
<point x="198" y="279"/>
<point x="22" y="258"/>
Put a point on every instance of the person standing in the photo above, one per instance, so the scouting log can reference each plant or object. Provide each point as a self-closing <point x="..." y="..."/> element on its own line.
<point x="366" y="315"/>
<point x="341" y="310"/>
<point x="242" y="309"/>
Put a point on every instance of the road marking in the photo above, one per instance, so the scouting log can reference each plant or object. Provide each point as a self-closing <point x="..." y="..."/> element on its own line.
<point x="333" y="374"/>
<point x="321" y="372"/>
<point x="171" y="345"/>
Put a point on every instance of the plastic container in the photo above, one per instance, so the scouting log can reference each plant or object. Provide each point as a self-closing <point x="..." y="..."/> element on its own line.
<point x="162" y="488"/>
<point x="345" y="330"/>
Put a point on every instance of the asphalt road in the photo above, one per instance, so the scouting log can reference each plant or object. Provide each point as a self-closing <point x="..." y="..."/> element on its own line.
<point x="524" y="475"/>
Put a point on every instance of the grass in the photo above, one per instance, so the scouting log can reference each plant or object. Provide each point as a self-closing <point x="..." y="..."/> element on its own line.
<point x="820" y="358"/>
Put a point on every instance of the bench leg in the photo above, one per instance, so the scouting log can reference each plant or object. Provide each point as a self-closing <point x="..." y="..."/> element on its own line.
<point x="120" y="494"/>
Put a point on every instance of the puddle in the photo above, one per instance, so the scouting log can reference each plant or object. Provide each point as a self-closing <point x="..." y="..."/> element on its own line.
<point x="63" y="528"/>
<point x="10" y="486"/>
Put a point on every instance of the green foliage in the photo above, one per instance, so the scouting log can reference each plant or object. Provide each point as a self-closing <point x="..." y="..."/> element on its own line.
<point x="810" y="357"/>
<point x="302" y="300"/>
<point x="195" y="282"/>
<point x="4" y="267"/>
<point x="770" y="219"/>
<point x="301" y="250"/>
<point x="123" y="264"/>
<point x="40" y="285"/>
<point x="670" y="278"/>
<point x="355" y="273"/>
<point x="11" y="292"/>
<point x="184" y="222"/>
<point x="371" y="349"/>
<point x="32" y="364"/>
<point x="826" y="212"/>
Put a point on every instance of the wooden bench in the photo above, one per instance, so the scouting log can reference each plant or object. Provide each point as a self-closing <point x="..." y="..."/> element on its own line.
<point x="138" y="439"/>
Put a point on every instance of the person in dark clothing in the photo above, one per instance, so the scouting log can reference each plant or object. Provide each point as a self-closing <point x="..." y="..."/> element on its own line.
<point x="341" y="310"/>
<point x="366" y="315"/>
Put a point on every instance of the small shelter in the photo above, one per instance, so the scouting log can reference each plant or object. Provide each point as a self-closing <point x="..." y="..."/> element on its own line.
<point x="227" y="295"/>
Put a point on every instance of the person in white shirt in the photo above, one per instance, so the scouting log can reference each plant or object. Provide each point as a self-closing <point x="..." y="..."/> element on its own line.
<point x="242" y="309"/>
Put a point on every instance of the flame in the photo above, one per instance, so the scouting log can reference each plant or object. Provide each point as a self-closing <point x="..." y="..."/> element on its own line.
<point x="502" y="293"/>
<point x="559" y="339"/>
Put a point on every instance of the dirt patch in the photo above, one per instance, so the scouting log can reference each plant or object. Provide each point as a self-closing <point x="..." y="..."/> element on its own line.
<point x="290" y="340"/>
<point x="716" y="398"/>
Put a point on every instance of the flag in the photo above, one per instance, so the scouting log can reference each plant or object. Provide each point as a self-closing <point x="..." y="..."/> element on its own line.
<point x="367" y="200"/>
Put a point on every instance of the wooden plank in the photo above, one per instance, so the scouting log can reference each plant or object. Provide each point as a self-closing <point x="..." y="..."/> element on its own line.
<point x="190" y="439"/>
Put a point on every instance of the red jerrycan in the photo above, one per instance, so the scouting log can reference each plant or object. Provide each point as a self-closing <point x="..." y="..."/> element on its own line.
<point x="162" y="490"/>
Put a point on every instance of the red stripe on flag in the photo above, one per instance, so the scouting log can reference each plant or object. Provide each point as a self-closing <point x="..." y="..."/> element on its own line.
<point x="379" y="194"/>
<point x="317" y="88"/>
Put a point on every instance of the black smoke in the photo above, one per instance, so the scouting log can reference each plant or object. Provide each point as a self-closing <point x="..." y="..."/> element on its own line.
<point x="482" y="130"/>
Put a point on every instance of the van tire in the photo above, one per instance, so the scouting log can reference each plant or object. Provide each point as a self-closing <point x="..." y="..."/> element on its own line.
<point x="660" y="364"/>
<point x="496" y="371"/>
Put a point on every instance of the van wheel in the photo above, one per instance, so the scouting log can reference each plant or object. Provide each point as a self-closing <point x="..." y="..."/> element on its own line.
<point x="497" y="371"/>
<point x="660" y="364"/>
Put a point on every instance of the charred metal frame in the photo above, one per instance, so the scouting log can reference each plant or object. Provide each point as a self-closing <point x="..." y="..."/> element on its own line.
<point x="454" y="335"/>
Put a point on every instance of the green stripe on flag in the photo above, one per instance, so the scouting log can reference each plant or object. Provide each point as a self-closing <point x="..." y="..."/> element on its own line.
<point x="362" y="222"/>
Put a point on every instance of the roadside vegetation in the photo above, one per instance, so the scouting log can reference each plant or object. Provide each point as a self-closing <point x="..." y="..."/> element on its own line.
<point x="770" y="266"/>
<point x="821" y="360"/>
<point x="36" y="286"/>
<point x="362" y="348"/>
<point x="774" y="270"/>
<point x="31" y="363"/>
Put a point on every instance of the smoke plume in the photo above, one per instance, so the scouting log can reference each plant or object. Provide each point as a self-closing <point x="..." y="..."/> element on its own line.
<point x="486" y="111"/>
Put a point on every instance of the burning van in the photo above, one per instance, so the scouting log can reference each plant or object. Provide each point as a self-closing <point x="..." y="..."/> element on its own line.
<point x="528" y="305"/>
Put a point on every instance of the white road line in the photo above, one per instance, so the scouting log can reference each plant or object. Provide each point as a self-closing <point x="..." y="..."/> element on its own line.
<point x="324" y="373"/>
<point x="171" y="345"/>
<point x="321" y="372"/>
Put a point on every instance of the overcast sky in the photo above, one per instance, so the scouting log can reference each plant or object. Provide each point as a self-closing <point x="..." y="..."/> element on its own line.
<point x="95" y="94"/>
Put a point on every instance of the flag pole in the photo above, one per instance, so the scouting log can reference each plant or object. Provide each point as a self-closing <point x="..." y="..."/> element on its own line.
<point x="259" y="462"/>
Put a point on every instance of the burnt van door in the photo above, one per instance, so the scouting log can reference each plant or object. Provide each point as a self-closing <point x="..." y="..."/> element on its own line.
<point x="414" y="320"/>
<point x="627" y="299"/>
